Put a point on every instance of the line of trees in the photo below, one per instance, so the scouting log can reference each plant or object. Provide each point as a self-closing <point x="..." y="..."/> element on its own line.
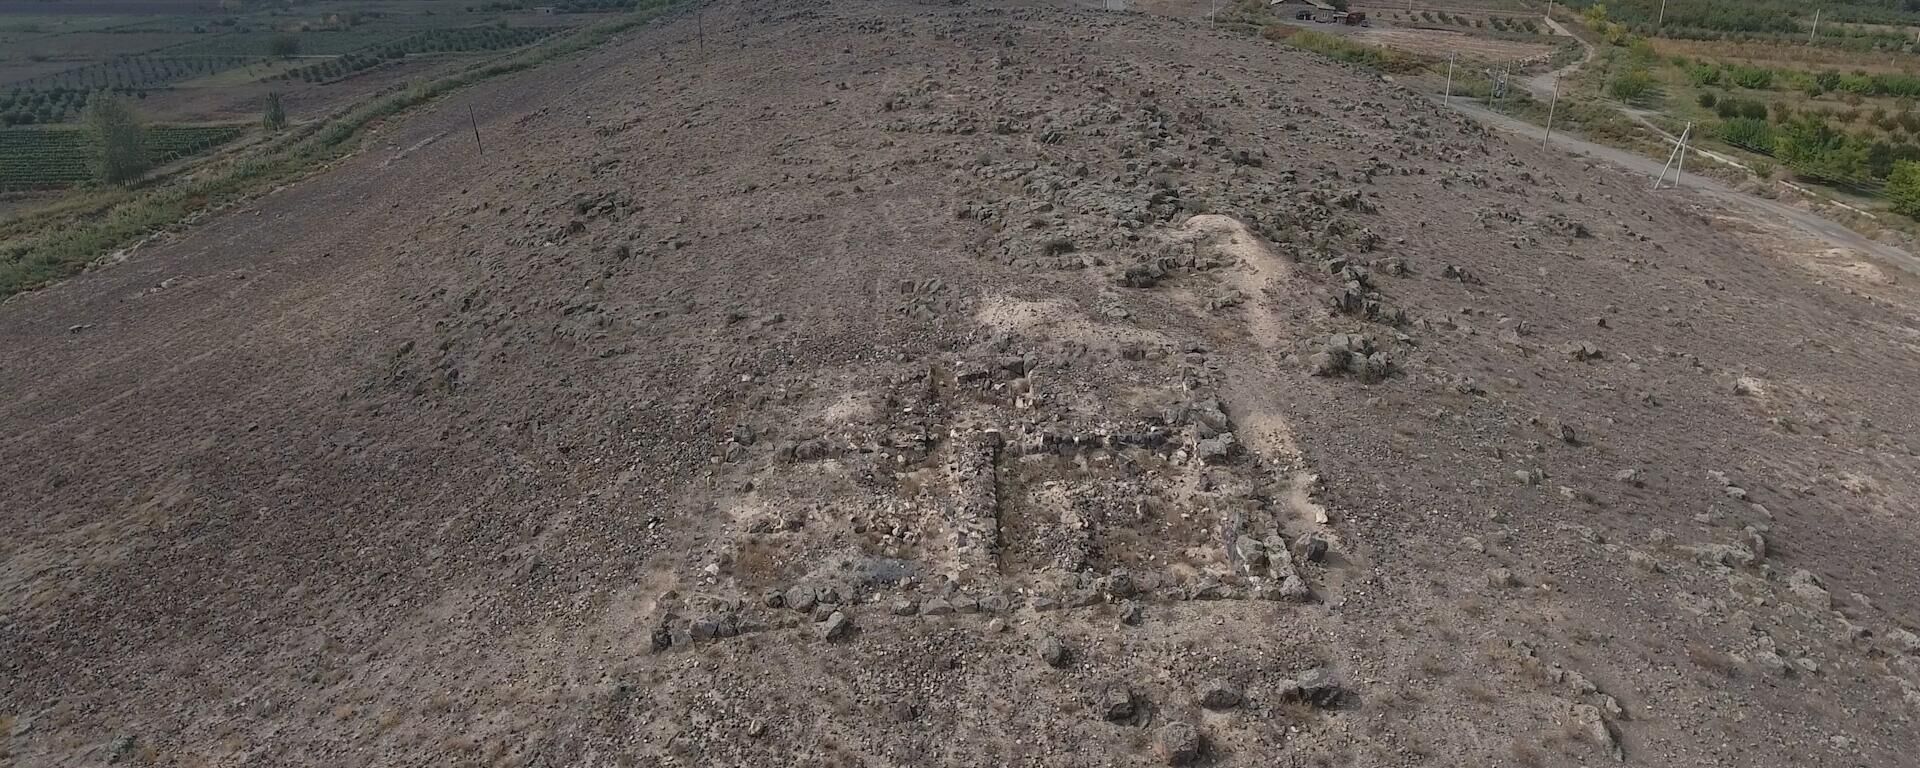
<point x="1813" y="83"/>
<point x="1762" y="20"/>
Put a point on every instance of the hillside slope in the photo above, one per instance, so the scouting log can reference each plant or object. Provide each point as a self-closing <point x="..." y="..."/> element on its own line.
<point x="897" y="383"/>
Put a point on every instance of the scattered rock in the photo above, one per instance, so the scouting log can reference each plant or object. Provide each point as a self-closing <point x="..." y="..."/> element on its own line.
<point x="904" y="606"/>
<point x="1055" y="653"/>
<point x="1592" y="726"/>
<point x="1317" y="686"/>
<point x="1220" y="694"/>
<point x="1351" y="354"/>
<point x="120" y="749"/>
<point x="837" y="626"/>
<point x="1294" y="589"/>
<point x="1806" y="586"/>
<point x="1730" y="555"/>
<point x="1581" y="351"/>
<point x="1117" y="703"/>
<point x="1501" y="578"/>
<point x="1177" y="743"/>
<point x="800" y="597"/>
<point x="1216" y="450"/>
<point x="1311" y="547"/>
<point x="1252" y="553"/>
<point x="1773" y="663"/>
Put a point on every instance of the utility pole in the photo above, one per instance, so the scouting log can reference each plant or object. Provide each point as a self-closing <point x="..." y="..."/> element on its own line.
<point x="1662" y="23"/>
<point x="1816" y="26"/>
<point x="476" y="130"/>
<point x="1448" y="98"/>
<point x="1680" y="155"/>
<point x="1553" y="105"/>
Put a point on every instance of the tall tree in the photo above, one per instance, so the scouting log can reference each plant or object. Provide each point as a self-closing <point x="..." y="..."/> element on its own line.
<point x="275" y="117"/>
<point x="120" y="139"/>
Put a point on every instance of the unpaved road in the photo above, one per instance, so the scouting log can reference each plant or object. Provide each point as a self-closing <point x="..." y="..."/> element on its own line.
<point x="1544" y="85"/>
<point x="959" y="385"/>
<point x="1811" y="224"/>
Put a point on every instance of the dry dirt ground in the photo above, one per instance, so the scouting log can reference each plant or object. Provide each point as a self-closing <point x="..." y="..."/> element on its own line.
<point x="1439" y="43"/>
<point x="960" y="384"/>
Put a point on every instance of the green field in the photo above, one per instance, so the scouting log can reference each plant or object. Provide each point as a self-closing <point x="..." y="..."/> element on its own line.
<point x="50" y="158"/>
<point x="462" y="40"/>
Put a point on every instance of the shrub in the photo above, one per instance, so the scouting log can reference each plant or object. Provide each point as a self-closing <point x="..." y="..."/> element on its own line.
<point x="275" y="116"/>
<point x="1707" y="99"/>
<point x="1815" y="151"/>
<point x="120" y="137"/>
<point x="1747" y="133"/>
<point x="1903" y="188"/>
<point x="1631" y="85"/>
<point x="1757" y="78"/>
<point x="283" y="45"/>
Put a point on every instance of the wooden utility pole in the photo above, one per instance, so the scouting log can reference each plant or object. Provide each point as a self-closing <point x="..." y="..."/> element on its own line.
<point x="476" y="130"/>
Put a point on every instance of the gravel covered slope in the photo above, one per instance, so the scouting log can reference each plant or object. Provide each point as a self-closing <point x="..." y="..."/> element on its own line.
<point x="960" y="384"/>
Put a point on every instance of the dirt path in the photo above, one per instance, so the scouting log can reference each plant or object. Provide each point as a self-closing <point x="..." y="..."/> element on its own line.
<point x="1812" y="224"/>
<point x="1543" y="85"/>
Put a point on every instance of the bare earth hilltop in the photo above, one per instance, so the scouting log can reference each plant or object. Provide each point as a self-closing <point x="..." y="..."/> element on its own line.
<point x="961" y="384"/>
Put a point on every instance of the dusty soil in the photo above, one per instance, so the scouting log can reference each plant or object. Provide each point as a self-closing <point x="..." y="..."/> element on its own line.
<point x="933" y="384"/>
<point x="1439" y="43"/>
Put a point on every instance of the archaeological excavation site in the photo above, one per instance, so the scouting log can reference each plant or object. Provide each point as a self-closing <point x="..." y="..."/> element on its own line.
<point x="1004" y="383"/>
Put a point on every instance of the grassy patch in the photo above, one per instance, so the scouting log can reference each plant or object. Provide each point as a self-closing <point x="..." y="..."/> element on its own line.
<point x="1342" y="49"/>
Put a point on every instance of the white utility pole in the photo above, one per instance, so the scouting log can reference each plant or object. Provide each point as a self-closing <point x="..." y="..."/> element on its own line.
<point x="1686" y="143"/>
<point x="1677" y="160"/>
<point x="1816" y="26"/>
<point x="1662" y="23"/>
<point x="1448" y="98"/>
<point x="1552" y="106"/>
